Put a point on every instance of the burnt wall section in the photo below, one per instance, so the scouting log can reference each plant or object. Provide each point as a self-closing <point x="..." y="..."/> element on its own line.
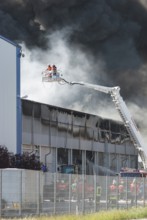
<point x="68" y="124"/>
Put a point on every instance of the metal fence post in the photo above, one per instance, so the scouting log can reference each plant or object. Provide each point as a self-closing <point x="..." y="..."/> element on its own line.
<point x="95" y="192"/>
<point x="127" y="191"/>
<point x="106" y="192"/>
<point x="83" y="193"/>
<point x="77" y="196"/>
<point x="20" y="193"/>
<point x="118" y="193"/>
<point x="0" y="193"/>
<point x="38" y="193"/>
<point x="144" y="191"/>
<point x="136" y="191"/>
<point x="69" y="184"/>
<point x="55" y="193"/>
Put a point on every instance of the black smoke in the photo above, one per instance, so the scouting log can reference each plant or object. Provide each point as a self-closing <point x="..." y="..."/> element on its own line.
<point x="113" y="30"/>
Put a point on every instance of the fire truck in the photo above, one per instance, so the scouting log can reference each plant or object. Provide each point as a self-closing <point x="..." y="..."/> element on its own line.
<point x="128" y="172"/>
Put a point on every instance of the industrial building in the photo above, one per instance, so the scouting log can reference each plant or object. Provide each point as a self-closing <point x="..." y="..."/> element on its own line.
<point x="57" y="135"/>
<point x="62" y="136"/>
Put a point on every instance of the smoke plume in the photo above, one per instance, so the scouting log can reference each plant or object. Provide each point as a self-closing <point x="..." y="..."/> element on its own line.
<point x="112" y="30"/>
<point x="101" y="42"/>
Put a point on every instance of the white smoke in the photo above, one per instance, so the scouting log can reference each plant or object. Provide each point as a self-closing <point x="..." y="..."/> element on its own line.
<point x="140" y="115"/>
<point x="71" y="62"/>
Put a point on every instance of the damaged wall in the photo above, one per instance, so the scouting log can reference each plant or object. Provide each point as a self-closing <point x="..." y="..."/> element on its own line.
<point x="50" y="125"/>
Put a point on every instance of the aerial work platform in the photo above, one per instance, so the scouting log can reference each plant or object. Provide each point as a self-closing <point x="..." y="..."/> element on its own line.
<point x="51" y="74"/>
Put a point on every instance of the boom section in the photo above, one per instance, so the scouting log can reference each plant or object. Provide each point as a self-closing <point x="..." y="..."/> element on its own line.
<point x="130" y="125"/>
<point x="103" y="89"/>
<point x="125" y="115"/>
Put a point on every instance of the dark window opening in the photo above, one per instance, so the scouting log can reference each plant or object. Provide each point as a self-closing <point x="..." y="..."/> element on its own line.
<point x="62" y="156"/>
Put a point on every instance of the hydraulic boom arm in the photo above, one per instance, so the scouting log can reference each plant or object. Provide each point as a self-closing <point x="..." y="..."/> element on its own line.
<point x="124" y="113"/>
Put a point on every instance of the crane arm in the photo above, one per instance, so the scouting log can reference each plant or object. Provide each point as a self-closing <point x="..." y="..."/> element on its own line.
<point x="99" y="88"/>
<point x="130" y="125"/>
<point x="124" y="113"/>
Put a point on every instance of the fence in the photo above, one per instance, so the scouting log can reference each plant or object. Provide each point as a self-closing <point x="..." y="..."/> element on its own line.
<point x="25" y="192"/>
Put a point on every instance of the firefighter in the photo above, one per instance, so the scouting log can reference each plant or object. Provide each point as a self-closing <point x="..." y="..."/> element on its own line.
<point x="48" y="72"/>
<point x="49" y="68"/>
<point x="121" y="189"/>
<point x="54" y="70"/>
<point x="134" y="190"/>
<point x="98" y="195"/>
<point x="74" y="189"/>
<point x="113" y="196"/>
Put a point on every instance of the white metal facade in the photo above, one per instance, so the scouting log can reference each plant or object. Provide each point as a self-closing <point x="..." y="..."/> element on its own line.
<point x="10" y="109"/>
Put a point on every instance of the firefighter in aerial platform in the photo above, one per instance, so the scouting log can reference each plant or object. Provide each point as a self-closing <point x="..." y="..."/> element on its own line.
<point x="49" y="68"/>
<point x="48" y="71"/>
<point x="98" y="196"/>
<point x="54" y="68"/>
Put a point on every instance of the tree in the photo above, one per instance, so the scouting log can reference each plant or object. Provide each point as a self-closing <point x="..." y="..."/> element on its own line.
<point x="4" y="157"/>
<point x="21" y="161"/>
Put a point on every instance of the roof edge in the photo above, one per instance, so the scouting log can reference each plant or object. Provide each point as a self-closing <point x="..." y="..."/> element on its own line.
<point x="9" y="41"/>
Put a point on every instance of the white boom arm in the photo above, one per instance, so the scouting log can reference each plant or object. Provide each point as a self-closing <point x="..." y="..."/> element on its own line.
<point x="124" y="113"/>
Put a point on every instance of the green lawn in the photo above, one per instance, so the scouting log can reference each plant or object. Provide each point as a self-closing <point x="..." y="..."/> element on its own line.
<point x="134" y="213"/>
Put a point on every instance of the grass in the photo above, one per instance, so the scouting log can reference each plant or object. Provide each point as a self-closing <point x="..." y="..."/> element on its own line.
<point x="134" y="213"/>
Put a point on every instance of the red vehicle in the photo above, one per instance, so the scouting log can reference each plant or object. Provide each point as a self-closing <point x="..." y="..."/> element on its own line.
<point x="129" y="172"/>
